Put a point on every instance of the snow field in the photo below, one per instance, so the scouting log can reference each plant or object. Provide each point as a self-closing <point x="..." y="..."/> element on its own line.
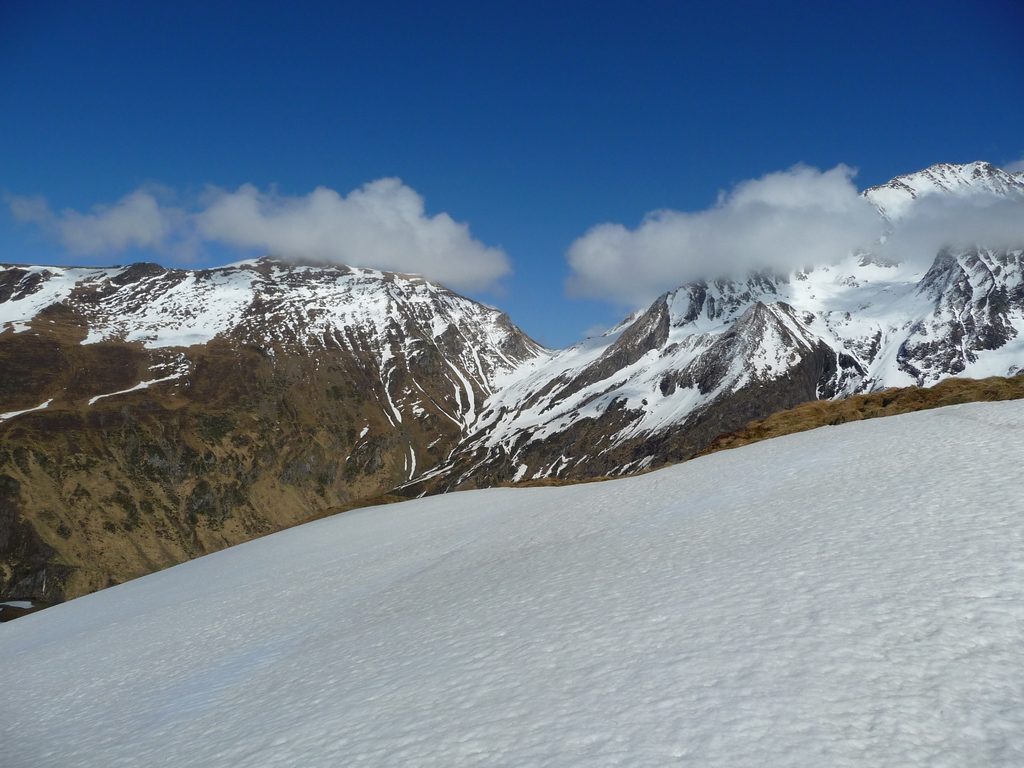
<point x="851" y="596"/>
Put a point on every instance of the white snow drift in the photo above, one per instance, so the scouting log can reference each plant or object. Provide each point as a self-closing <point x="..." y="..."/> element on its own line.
<point x="849" y="596"/>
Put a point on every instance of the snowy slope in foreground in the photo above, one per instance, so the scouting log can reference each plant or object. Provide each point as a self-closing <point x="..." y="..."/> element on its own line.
<point x="849" y="596"/>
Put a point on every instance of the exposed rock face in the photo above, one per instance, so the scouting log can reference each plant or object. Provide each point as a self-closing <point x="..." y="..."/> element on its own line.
<point x="186" y="411"/>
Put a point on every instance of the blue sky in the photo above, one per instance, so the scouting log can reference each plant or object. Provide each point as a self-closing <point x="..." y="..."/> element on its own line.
<point x="530" y="122"/>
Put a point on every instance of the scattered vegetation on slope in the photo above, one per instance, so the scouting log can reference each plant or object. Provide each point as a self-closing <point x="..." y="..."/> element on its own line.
<point x="76" y="527"/>
<point x="888" y="402"/>
<point x="94" y="492"/>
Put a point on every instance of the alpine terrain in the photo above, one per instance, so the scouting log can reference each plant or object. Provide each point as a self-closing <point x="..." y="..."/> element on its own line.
<point x="708" y="357"/>
<point x="150" y="415"/>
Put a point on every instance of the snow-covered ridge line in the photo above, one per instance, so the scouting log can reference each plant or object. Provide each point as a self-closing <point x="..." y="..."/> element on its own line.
<point x="272" y="301"/>
<point x="383" y="319"/>
<point x="895" y="198"/>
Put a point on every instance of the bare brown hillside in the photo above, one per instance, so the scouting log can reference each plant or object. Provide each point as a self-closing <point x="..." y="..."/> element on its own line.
<point x="889" y="402"/>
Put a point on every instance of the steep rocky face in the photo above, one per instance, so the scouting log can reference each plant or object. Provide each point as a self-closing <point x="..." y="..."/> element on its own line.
<point x="150" y="415"/>
<point x="676" y="397"/>
<point x="975" y="326"/>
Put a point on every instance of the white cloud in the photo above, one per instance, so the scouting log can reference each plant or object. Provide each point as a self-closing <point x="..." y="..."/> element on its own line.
<point x="382" y="225"/>
<point x="781" y="221"/>
<point x="136" y="220"/>
<point x="34" y="209"/>
<point x="1017" y="167"/>
<point x="936" y="222"/>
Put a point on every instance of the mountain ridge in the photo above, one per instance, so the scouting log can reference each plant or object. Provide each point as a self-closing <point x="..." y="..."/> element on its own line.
<point x="150" y="415"/>
<point x="153" y="414"/>
<point x="707" y="352"/>
<point x="895" y="197"/>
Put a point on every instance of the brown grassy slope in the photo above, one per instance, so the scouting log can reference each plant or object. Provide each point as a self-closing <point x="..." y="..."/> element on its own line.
<point x="93" y="494"/>
<point x="889" y="402"/>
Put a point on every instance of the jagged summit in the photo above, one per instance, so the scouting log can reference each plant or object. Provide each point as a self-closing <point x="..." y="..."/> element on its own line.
<point x="895" y="198"/>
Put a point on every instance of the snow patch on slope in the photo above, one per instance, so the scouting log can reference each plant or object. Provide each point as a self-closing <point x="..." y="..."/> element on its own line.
<point x="12" y="414"/>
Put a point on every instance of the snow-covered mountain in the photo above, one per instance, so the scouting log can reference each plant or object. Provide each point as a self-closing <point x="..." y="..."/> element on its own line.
<point x="428" y="352"/>
<point x="896" y="198"/>
<point x="810" y="600"/>
<point x="389" y="322"/>
<point x="708" y="357"/>
<point x="149" y="415"/>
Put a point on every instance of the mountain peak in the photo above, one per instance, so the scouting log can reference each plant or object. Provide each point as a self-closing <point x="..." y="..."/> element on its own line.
<point x="895" y="198"/>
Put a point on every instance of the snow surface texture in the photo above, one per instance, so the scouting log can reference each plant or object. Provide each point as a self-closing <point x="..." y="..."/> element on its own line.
<point x="848" y="596"/>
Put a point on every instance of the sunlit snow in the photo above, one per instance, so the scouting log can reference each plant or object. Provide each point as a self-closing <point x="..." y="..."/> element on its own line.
<point x="848" y="596"/>
<point x="305" y="309"/>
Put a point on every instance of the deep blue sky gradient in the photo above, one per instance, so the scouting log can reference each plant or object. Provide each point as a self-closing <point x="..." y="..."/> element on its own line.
<point x="530" y="121"/>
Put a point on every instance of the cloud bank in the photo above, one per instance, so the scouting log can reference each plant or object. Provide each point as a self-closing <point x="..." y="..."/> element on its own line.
<point x="782" y="221"/>
<point x="936" y="222"/>
<point x="382" y="224"/>
<point x="136" y="220"/>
